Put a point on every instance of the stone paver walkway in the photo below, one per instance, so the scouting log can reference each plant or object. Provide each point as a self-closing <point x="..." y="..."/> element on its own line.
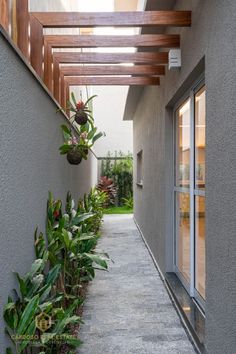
<point x="128" y="310"/>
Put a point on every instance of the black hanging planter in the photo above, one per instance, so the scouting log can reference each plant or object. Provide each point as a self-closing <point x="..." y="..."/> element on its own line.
<point x="77" y="146"/>
<point x="81" y="117"/>
<point x="74" y="157"/>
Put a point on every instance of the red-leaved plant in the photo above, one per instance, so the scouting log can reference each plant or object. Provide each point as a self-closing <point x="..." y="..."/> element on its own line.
<point x="107" y="186"/>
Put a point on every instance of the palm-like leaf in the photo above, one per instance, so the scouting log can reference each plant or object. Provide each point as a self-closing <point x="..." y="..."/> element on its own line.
<point x="27" y="315"/>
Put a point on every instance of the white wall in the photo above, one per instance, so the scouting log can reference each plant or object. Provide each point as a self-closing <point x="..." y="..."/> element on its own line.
<point x="54" y="5"/>
<point x="108" y="114"/>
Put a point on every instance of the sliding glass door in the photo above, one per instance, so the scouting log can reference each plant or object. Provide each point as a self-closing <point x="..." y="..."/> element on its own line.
<point x="189" y="191"/>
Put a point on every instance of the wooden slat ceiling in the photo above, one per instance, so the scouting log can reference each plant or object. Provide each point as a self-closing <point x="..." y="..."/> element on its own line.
<point x="62" y="69"/>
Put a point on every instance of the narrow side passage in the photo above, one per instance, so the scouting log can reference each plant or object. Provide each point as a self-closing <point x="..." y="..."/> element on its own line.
<point x="128" y="310"/>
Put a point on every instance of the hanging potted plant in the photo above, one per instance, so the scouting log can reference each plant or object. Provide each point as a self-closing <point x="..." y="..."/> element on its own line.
<point x="77" y="145"/>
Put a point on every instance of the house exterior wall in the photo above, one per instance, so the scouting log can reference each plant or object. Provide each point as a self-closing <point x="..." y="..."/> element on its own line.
<point x="210" y="46"/>
<point x="31" y="166"/>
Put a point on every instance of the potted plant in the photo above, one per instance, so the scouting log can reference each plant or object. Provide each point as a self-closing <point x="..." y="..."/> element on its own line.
<point x="78" y="142"/>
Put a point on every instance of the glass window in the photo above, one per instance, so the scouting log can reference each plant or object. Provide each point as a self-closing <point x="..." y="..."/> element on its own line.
<point x="183" y="230"/>
<point x="200" y="139"/>
<point x="190" y="192"/>
<point x="183" y="142"/>
<point x="140" y="168"/>
<point x="200" y="270"/>
<point x="200" y="148"/>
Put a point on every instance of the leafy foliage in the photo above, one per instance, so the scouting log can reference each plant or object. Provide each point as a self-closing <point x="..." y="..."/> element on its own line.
<point x="65" y="260"/>
<point x="120" y="169"/>
<point x="106" y="185"/>
<point x="78" y="145"/>
<point x="93" y="203"/>
<point x="70" y="241"/>
<point x="128" y="202"/>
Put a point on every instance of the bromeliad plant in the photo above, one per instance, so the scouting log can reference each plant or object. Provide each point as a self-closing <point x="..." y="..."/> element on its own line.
<point x="107" y="186"/>
<point x="77" y="146"/>
<point x="66" y="260"/>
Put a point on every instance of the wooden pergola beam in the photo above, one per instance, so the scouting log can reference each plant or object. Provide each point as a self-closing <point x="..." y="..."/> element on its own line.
<point x="36" y="45"/>
<point x="67" y="96"/>
<point x="95" y="41"/>
<point x="22" y="15"/>
<point x="56" y="79"/>
<point x="103" y="58"/>
<point x="98" y="70"/>
<point x="98" y="58"/>
<point x="116" y="19"/>
<point x="109" y="58"/>
<point x="157" y="58"/>
<point x="62" y="91"/>
<point x="4" y="14"/>
<point x="112" y="81"/>
<point x="48" y="62"/>
<point x="40" y="20"/>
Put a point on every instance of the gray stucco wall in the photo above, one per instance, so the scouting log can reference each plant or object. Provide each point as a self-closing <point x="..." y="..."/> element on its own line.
<point x="149" y="199"/>
<point x="210" y="42"/>
<point x="30" y="166"/>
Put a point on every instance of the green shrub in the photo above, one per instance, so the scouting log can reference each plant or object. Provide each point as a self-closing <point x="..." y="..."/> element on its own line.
<point x="128" y="202"/>
<point x="66" y="260"/>
<point x="120" y="169"/>
<point x="38" y="294"/>
<point x="93" y="203"/>
<point x="71" y="242"/>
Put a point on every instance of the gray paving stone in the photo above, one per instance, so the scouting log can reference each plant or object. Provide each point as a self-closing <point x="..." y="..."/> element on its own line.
<point x="128" y="310"/>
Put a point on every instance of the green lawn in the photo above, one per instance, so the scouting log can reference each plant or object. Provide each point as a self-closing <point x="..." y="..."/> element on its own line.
<point x="118" y="210"/>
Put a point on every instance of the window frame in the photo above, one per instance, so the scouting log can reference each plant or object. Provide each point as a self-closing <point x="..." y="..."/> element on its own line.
<point x="192" y="190"/>
<point x="139" y="168"/>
